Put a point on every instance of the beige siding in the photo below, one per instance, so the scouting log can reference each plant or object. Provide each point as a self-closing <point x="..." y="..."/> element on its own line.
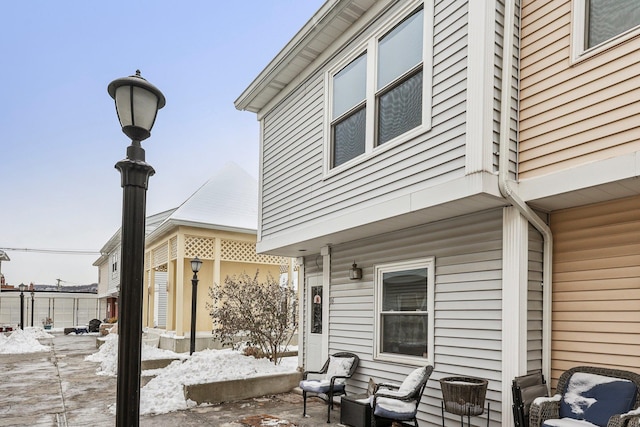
<point x="468" y="290"/>
<point x="573" y="114"/>
<point x="596" y="286"/>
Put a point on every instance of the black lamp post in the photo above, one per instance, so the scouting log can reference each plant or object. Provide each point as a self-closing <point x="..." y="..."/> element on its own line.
<point x="32" y="294"/>
<point x="195" y="266"/>
<point x="22" y="287"/>
<point x="137" y="104"/>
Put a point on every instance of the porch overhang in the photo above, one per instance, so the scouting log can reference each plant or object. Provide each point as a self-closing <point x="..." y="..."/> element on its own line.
<point x="466" y="195"/>
<point x="596" y="182"/>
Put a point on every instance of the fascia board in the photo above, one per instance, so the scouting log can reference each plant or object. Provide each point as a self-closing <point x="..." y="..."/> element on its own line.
<point x="443" y="201"/>
<point x="581" y="177"/>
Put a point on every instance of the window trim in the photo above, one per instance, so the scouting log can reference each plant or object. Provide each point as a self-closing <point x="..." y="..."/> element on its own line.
<point x="370" y="47"/>
<point x="379" y="270"/>
<point x="578" y="34"/>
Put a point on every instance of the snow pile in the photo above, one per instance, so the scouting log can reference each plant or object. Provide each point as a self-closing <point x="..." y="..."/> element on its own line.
<point x="165" y="393"/>
<point x="107" y="355"/>
<point x="23" y="341"/>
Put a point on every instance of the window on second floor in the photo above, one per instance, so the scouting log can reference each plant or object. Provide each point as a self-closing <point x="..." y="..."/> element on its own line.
<point x="114" y="264"/>
<point x="377" y="96"/>
<point x="597" y="23"/>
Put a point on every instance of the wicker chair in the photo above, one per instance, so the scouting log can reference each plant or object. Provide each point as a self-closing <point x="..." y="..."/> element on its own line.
<point x="550" y="408"/>
<point x="399" y="403"/>
<point x="335" y="371"/>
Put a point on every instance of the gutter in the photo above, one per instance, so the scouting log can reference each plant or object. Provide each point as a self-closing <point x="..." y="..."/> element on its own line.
<point x="511" y="195"/>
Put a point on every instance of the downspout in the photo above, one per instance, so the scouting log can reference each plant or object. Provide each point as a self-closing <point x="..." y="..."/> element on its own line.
<point x="510" y="194"/>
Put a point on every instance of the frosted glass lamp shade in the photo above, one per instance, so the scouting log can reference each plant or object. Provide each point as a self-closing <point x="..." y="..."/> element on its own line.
<point x="196" y="264"/>
<point x="137" y="104"/>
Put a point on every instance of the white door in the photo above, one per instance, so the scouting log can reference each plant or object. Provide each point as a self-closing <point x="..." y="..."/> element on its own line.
<point x="315" y="324"/>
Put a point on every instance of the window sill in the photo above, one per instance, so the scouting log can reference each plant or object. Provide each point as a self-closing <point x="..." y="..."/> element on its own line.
<point x="402" y="360"/>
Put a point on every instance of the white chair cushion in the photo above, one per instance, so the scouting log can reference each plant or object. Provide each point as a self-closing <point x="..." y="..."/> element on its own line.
<point x="338" y="366"/>
<point x="413" y="379"/>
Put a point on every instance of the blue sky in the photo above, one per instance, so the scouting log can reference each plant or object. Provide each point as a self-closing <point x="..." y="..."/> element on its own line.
<point x="59" y="133"/>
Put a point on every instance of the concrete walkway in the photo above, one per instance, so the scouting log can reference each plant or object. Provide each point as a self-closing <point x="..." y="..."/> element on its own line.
<point x="60" y="388"/>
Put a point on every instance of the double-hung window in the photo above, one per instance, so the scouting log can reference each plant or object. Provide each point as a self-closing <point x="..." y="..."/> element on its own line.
<point x="599" y="23"/>
<point x="379" y="94"/>
<point x="404" y="311"/>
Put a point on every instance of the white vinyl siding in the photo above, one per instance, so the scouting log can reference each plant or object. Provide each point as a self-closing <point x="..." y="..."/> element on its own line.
<point x="294" y="192"/>
<point x="468" y="268"/>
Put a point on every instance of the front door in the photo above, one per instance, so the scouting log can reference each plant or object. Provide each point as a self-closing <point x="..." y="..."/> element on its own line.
<point x="315" y="324"/>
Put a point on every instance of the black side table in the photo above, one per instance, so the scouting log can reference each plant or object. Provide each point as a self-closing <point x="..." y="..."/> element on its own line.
<point x="354" y="413"/>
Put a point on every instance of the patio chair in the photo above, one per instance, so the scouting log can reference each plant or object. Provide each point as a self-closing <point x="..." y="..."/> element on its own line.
<point x="589" y="395"/>
<point x="399" y="403"/>
<point x="525" y="389"/>
<point x="336" y="370"/>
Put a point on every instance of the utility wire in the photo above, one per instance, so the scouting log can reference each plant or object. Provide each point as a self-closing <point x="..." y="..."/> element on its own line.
<point x="54" y="251"/>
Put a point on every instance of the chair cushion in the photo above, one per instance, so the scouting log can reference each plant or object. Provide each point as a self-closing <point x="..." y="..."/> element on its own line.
<point x="413" y="379"/>
<point x="529" y="394"/>
<point x="339" y="366"/>
<point x="595" y="398"/>
<point x="567" y="422"/>
<point x="319" y="386"/>
<point x="395" y="409"/>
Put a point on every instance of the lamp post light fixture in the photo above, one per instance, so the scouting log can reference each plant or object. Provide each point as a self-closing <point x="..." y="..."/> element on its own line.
<point x="22" y="287"/>
<point x="137" y="103"/>
<point x="32" y="295"/>
<point x="195" y="267"/>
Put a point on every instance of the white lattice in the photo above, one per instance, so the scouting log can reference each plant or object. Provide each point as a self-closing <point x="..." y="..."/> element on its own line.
<point x="173" y="243"/>
<point x="201" y="247"/>
<point x="160" y="255"/>
<point x="232" y="250"/>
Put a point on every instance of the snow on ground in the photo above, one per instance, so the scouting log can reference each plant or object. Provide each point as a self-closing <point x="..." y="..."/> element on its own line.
<point x="23" y="341"/>
<point x="165" y="392"/>
<point x="107" y="355"/>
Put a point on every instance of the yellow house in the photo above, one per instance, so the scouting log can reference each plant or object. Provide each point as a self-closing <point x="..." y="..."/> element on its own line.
<point x="217" y="224"/>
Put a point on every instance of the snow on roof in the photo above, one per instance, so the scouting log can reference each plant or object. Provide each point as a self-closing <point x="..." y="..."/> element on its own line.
<point x="229" y="200"/>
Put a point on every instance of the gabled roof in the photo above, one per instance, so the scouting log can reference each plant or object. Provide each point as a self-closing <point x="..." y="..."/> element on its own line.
<point x="227" y="201"/>
<point x="326" y="26"/>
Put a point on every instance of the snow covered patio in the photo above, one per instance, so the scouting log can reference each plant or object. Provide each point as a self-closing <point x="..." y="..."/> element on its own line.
<point x="59" y="387"/>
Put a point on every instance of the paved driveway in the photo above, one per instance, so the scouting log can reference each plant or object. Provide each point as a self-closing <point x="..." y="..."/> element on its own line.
<point x="60" y="388"/>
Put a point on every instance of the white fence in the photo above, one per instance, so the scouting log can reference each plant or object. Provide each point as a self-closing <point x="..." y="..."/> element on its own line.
<point x="66" y="309"/>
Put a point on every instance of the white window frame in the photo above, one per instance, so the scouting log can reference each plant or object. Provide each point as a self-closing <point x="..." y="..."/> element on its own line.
<point x="115" y="259"/>
<point x="370" y="46"/>
<point x="578" y="34"/>
<point x="379" y="270"/>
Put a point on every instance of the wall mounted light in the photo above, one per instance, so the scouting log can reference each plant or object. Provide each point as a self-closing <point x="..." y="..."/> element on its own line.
<point x="355" y="273"/>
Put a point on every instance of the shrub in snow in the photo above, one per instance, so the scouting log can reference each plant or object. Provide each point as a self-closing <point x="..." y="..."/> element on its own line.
<point x="263" y="312"/>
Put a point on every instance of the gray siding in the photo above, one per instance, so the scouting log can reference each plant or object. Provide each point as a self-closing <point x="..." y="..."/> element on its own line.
<point x="534" y="298"/>
<point x="468" y="252"/>
<point x="293" y="191"/>
<point x="513" y="106"/>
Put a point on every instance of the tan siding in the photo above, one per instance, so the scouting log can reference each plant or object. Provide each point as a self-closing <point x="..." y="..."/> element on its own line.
<point x="572" y="114"/>
<point x="596" y="286"/>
